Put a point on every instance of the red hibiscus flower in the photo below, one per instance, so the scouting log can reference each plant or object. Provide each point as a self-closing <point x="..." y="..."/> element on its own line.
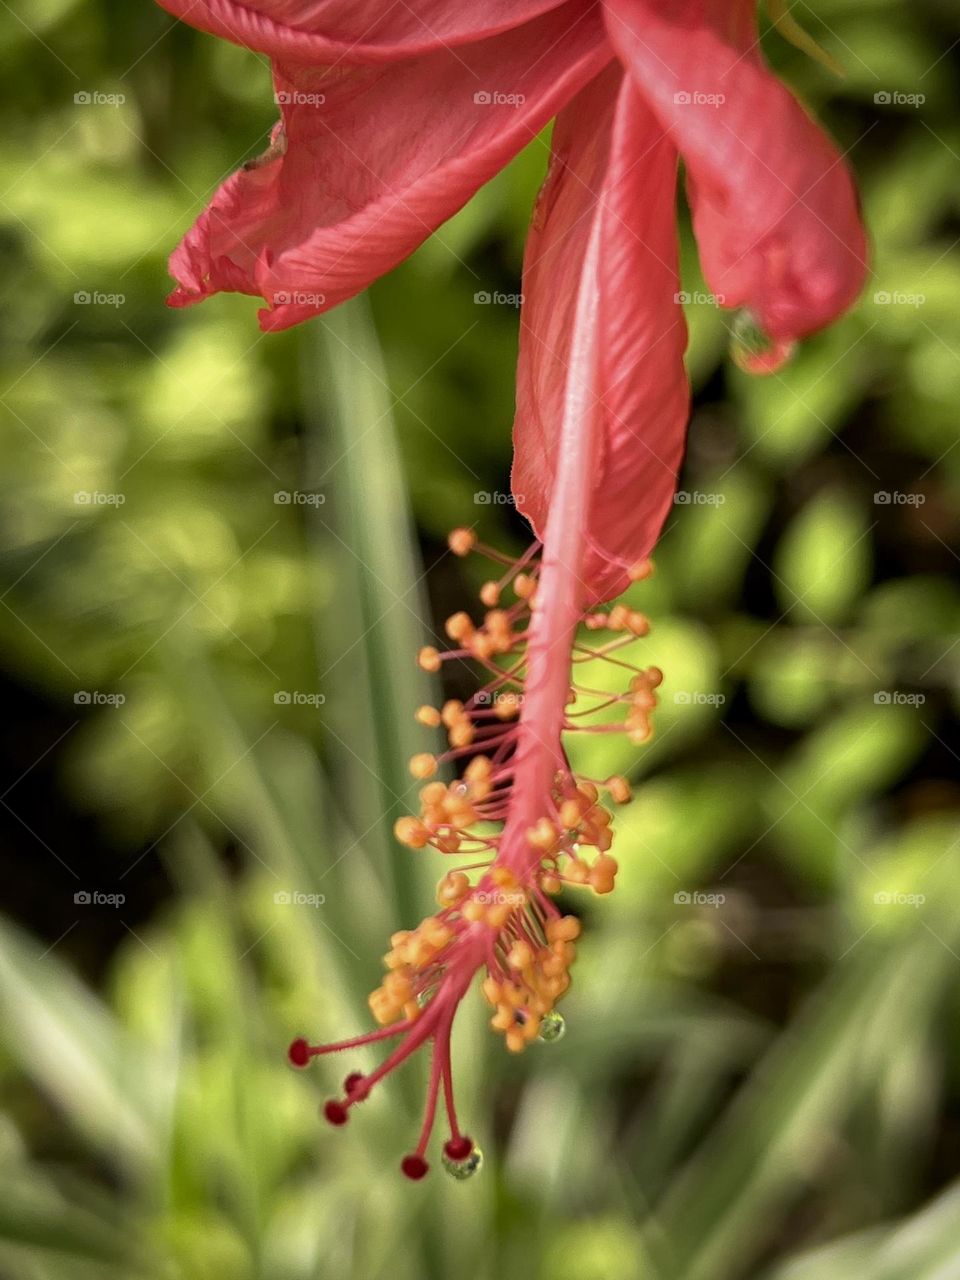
<point x="392" y="115"/>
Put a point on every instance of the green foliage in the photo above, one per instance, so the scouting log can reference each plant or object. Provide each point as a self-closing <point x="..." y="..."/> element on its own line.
<point x="756" y="1081"/>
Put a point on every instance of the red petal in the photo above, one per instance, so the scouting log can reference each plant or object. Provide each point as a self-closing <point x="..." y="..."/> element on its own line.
<point x="371" y="160"/>
<point x="775" y="209"/>
<point x="610" y="161"/>
<point x="354" y="31"/>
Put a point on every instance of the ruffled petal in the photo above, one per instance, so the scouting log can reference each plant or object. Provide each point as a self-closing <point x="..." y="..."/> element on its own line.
<point x="611" y="164"/>
<point x="369" y="161"/>
<point x="775" y="210"/>
<point x="354" y="31"/>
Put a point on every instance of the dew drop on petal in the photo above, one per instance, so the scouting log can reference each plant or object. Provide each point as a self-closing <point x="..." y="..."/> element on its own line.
<point x="552" y="1027"/>
<point x="466" y="1168"/>
<point x="753" y="350"/>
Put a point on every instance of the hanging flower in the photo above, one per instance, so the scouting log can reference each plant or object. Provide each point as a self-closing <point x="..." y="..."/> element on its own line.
<point x="392" y="115"/>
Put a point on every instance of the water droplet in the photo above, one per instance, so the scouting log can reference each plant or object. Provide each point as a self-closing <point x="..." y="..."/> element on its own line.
<point x="463" y="1169"/>
<point x="752" y="349"/>
<point x="460" y="789"/>
<point x="552" y="1027"/>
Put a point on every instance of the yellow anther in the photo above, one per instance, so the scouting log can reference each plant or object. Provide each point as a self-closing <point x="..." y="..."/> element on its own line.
<point x="459" y="626"/>
<point x="491" y="990"/>
<point x="398" y="987"/>
<point x="550" y="883"/>
<point x="589" y="792"/>
<point x="435" y="933"/>
<point x="462" y="734"/>
<point x="639" y="570"/>
<point x="451" y="712"/>
<point x="571" y="811"/>
<point x="503" y="1019"/>
<point x="429" y="716"/>
<point x="524" y="586"/>
<point x="490" y="594"/>
<point x="461" y="541"/>
<point x="638" y="623"/>
<point x="619" y="788"/>
<point x="412" y="1010"/>
<point x="576" y="871"/>
<point x="473" y="910"/>
<point x="566" y="929"/>
<point x="516" y="1042"/>
<point x="411" y="832"/>
<point x="603" y="873"/>
<point x="507" y="706"/>
<point x="499" y="913"/>
<point x="449" y="842"/>
<point x="543" y="835"/>
<point x="504" y="878"/>
<point x="428" y="659"/>
<point x="478" y="770"/>
<point x="432" y="794"/>
<point x="520" y="956"/>
<point x="617" y="617"/>
<point x="452" y="889"/>
<point x="423" y="765"/>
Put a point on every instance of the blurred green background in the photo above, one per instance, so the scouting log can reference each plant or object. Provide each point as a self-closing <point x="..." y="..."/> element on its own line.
<point x="208" y="697"/>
